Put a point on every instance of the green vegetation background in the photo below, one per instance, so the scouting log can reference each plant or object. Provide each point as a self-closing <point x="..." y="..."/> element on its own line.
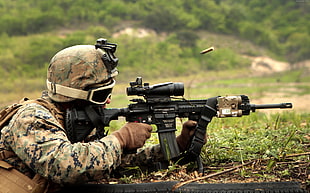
<point x="32" y="31"/>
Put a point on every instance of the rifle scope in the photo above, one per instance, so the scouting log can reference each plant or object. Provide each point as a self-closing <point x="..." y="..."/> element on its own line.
<point x="163" y="89"/>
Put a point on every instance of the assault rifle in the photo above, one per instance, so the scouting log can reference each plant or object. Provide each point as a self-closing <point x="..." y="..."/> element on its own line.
<point x="161" y="107"/>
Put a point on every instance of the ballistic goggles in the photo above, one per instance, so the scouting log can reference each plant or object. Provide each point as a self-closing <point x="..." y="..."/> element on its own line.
<point x="99" y="94"/>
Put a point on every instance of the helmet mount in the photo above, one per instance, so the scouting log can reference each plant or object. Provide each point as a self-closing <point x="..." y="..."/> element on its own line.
<point x="109" y="59"/>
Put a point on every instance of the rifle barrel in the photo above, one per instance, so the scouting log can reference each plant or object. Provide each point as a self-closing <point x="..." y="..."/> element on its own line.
<point x="272" y="106"/>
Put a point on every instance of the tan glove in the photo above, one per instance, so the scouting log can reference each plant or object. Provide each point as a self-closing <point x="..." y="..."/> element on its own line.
<point x="184" y="139"/>
<point x="133" y="135"/>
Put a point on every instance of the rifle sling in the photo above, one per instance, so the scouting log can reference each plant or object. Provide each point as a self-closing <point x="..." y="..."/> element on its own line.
<point x="199" y="136"/>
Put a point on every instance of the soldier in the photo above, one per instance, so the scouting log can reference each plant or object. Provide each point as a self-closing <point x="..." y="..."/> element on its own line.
<point x="35" y="142"/>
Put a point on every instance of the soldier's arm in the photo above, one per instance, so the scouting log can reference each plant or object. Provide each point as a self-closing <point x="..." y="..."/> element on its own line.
<point x="41" y="143"/>
<point x="144" y="157"/>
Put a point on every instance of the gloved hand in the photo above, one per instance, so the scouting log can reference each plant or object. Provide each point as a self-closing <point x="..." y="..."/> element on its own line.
<point x="133" y="135"/>
<point x="184" y="139"/>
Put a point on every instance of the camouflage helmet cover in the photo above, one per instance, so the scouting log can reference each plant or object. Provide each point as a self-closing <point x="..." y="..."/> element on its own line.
<point x="77" y="67"/>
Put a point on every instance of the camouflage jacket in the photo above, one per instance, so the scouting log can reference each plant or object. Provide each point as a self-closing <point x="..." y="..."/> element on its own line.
<point x="41" y="146"/>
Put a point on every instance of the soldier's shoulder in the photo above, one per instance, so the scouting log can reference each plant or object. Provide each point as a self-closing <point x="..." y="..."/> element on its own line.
<point x="33" y="111"/>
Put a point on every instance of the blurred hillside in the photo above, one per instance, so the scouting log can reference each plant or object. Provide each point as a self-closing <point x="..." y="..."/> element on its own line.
<point x="156" y="38"/>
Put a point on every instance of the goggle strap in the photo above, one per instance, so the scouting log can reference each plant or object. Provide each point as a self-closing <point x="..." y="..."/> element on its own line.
<point x="67" y="91"/>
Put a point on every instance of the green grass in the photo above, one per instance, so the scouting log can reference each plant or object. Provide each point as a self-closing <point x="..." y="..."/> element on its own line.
<point x="286" y="83"/>
<point x="257" y="136"/>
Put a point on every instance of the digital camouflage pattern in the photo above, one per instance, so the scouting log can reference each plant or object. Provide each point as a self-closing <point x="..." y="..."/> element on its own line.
<point x="42" y="147"/>
<point x="76" y="67"/>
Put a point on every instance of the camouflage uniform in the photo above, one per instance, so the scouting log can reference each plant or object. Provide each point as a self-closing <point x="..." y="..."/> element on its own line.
<point x="38" y="137"/>
<point x="41" y="146"/>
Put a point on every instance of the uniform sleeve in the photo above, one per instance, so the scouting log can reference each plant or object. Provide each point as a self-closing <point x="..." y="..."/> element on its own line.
<point x="42" y="144"/>
<point x="147" y="156"/>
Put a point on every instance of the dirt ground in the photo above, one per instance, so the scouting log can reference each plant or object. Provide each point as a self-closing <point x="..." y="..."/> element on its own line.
<point x="253" y="171"/>
<point x="259" y="170"/>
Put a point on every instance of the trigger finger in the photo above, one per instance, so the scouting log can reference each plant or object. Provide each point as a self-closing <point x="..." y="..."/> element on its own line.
<point x="149" y="128"/>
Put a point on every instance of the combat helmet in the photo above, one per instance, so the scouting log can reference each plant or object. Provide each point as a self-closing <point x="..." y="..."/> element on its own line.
<point x="83" y="72"/>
